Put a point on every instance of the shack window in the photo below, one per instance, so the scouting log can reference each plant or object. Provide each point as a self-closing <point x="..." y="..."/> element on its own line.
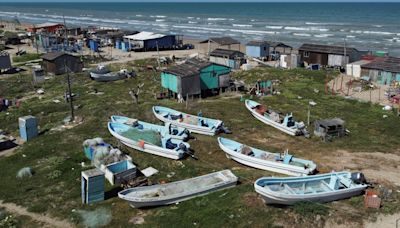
<point x="265" y="48"/>
<point x="306" y="54"/>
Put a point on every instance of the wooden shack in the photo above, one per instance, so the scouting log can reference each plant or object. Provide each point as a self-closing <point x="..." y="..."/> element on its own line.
<point x="230" y="58"/>
<point x="194" y="77"/>
<point x="327" y="55"/>
<point x="54" y="63"/>
<point x="329" y="128"/>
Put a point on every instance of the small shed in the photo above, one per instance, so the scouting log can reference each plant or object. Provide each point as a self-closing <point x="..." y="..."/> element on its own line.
<point x="120" y="172"/>
<point x="329" y="128"/>
<point x="225" y="42"/>
<point x="38" y="75"/>
<point x="354" y="69"/>
<point x="195" y="76"/>
<point x="230" y="58"/>
<point x="257" y="49"/>
<point x="289" y="61"/>
<point x="382" y="70"/>
<point x="54" y="63"/>
<point x="92" y="185"/>
<point x="5" y="61"/>
<point x="149" y="41"/>
<point x="28" y="127"/>
<point x="279" y="47"/>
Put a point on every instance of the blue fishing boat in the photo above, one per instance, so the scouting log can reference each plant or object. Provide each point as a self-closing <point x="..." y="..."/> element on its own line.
<point x="275" y="162"/>
<point x="145" y="139"/>
<point x="175" y="132"/>
<point x="285" y="123"/>
<point x="318" y="188"/>
<point x="196" y="124"/>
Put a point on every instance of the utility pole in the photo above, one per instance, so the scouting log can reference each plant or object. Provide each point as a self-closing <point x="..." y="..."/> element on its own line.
<point x="68" y="78"/>
<point x="158" y="55"/>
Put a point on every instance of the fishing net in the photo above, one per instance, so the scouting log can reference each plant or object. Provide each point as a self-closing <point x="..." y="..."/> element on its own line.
<point x="97" y="218"/>
<point x="148" y="136"/>
<point x="192" y="120"/>
<point x="24" y="172"/>
<point x="102" y="153"/>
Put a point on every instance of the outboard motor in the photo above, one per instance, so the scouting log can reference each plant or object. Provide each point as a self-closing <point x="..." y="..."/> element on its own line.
<point x="183" y="147"/>
<point x="358" y="178"/>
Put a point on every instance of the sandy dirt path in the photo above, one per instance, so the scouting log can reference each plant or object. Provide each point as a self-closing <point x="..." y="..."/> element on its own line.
<point x="49" y="221"/>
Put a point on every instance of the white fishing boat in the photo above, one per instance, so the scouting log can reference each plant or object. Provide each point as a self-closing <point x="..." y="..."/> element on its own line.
<point x="174" y="192"/>
<point x="196" y="124"/>
<point x="275" y="162"/>
<point x="149" y="141"/>
<point x="318" y="188"/>
<point x="175" y="132"/>
<point x="285" y="123"/>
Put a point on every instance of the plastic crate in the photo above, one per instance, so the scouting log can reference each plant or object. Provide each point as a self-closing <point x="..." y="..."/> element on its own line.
<point x="372" y="199"/>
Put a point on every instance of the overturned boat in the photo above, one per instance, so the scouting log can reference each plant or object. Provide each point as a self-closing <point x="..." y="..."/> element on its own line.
<point x="175" y="132"/>
<point x="196" y="124"/>
<point x="274" y="162"/>
<point x="285" y="123"/>
<point x="111" y="76"/>
<point x="319" y="188"/>
<point x="145" y="139"/>
<point x="165" y="194"/>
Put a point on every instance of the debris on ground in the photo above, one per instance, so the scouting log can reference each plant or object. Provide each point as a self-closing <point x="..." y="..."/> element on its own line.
<point x="150" y="171"/>
<point x="24" y="172"/>
<point x="97" y="218"/>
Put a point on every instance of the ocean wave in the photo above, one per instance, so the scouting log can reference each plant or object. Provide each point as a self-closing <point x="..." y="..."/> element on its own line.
<point x="254" y="32"/>
<point x="323" y="35"/>
<point x="158" y="16"/>
<point x="274" y="27"/>
<point x="199" y="28"/>
<point x="190" y="17"/>
<point x="349" y="36"/>
<point x="160" y="20"/>
<point x="296" y="28"/>
<point x="378" y="32"/>
<point x="301" y="34"/>
<point x="139" y="15"/>
<point x="241" y="25"/>
<point x="217" y="19"/>
<point x="192" y="22"/>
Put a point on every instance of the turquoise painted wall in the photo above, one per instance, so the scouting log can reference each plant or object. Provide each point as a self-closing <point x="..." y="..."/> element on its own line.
<point x="209" y="76"/>
<point x="169" y="81"/>
<point x="386" y="78"/>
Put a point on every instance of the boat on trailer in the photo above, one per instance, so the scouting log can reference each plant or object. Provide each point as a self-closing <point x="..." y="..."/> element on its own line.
<point x="175" y="132"/>
<point x="174" y="192"/>
<point x="196" y="124"/>
<point x="318" y="188"/>
<point x="275" y="162"/>
<point x="273" y="118"/>
<point x="145" y="139"/>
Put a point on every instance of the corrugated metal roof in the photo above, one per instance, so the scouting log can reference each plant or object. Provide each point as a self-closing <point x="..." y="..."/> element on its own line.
<point x="144" y="36"/>
<point x="388" y="64"/>
<point x="257" y="43"/>
<point x="224" y="53"/>
<point x="4" y="53"/>
<point x="189" y="68"/>
<point x="52" y="55"/>
<point x="327" y="49"/>
<point x="221" y="40"/>
<point x="47" y="24"/>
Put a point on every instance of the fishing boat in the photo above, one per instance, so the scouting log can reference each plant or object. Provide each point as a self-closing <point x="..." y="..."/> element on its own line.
<point x="318" y="188"/>
<point x="273" y="118"/>
<point x="175" y="132"/>
<point x="196" y="124"/>
<point x="174" y="192"/>
<point x="150" y="141"/>
<point x="275" y="162"/>
<point x="111" y="76"/>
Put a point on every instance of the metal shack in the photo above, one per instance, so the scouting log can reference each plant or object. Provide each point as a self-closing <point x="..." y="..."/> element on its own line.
<point x="195" y="76"/>
<point x="257" y="49"/>
<point x="382" y="70"/>
<point x="230" y="58"/>
<point x="54" y="63"/>
<point x="326" y="55"/>
<point x="219" y="42"/>
<point x="149" y="41"/>
<point x="329" y="128"/>
<point x="354" y="69"/>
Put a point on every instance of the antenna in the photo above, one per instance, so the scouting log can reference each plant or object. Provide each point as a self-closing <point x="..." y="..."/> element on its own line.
<point x="68" y="78"/>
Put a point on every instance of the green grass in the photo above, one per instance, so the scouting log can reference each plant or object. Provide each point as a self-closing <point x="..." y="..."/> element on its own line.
<point x="56" y="156"/>
<point x="26" y="57"/>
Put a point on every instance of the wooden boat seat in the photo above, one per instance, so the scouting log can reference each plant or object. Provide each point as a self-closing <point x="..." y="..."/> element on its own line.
<point x="334" y="183"/>
<point x="346" y="182"/>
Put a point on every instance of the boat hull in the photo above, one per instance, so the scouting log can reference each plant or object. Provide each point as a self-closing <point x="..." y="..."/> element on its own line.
<point x="138" y="202"/>
<point x="148" y="148"/>
<point x="107" y="77"/>
<point x="264" y="164"/>
<point x="192" y="128"/>
<point x="272" y="123"/>
<point x="264" y="186"/>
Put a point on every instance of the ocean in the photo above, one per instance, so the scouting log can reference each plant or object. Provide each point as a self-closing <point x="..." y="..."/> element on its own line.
<point x="366" y="26"/>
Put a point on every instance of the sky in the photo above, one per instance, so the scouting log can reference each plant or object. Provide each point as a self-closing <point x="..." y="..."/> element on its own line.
<point x="13" y="1"/>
